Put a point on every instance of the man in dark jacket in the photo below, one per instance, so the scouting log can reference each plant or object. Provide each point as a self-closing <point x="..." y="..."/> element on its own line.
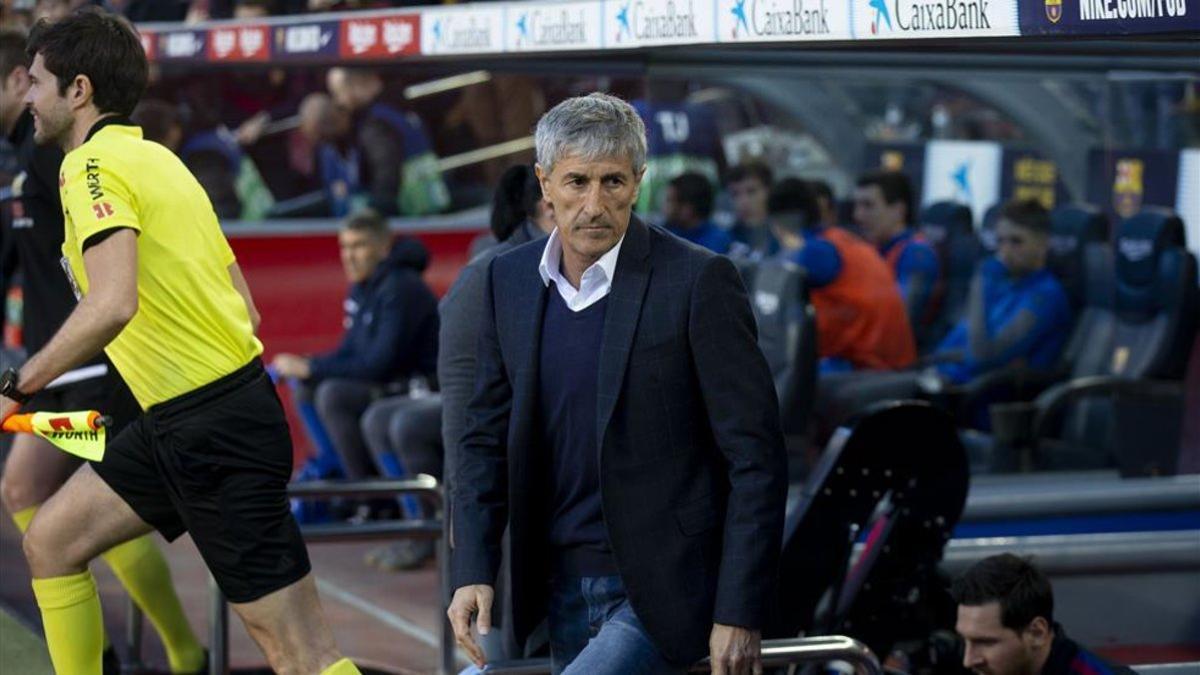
<point x="391" y="336"/>
<point x="624" y="427"/>
<point x="1006" y="621"/>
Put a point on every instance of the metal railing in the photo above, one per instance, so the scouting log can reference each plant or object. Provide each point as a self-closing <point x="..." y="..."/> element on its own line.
<point x="425" y="487"/>
<point x="775" y="654"/>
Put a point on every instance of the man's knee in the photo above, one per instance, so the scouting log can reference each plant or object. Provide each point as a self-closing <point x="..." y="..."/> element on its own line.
<point x="339" y="397"/>
<point x="48" y="553"/>
<point x="374" y="426"/>
<point x="17" y="494"/>
<point x="417" y="440"/>
<point x="413" y="426"/>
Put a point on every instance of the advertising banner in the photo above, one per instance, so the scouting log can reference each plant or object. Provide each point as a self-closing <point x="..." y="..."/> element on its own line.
<point x="305" y="40"/>
<point x="149" y="43"/>
<point x="967" y="172"/>
<point x="644" y="23"/>
<point x="1108" y="17"/>
<point x="908" y="19"/>
<point x="1187" y="202"/>
<point x="555" y="26"/>
<point x="1124" y="182"/>
<point x="1030" y="175"/>
<point x="182" y="45"/>
<point x="474" y="29"/>
<point x="782" y="20"/>
<point x="238" y="44"/>
<point x="380" y="37"/>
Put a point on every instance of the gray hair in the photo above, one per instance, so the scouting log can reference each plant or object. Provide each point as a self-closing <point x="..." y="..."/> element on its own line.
<point x="592" y="127"/>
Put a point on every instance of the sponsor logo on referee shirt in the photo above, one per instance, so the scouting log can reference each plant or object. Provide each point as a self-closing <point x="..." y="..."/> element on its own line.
<point x="92" y="169"/>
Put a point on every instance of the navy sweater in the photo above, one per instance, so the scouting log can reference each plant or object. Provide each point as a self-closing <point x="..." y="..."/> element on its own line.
<point x="568" y="375"/>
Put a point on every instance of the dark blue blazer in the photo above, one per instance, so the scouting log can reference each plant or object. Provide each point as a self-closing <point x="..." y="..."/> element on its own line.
<point x="692" y="463"/>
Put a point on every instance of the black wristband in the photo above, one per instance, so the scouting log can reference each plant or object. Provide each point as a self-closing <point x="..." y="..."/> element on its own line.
<point x="9" y="382"/>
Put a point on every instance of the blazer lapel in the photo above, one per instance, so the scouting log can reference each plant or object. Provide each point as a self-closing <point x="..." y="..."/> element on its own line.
<point x="532" y="294"/>
<point x="630" y="279"/>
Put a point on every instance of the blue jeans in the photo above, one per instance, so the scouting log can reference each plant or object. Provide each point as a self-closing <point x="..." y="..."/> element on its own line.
<point x="593" y="630"/>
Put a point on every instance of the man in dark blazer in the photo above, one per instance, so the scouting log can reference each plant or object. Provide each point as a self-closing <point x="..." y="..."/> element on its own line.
<point x="624" y="427"/>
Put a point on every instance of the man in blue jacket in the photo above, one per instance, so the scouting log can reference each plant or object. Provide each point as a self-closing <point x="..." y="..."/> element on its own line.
<point x="1017" y="310"/>
<point x="391" y="336"/>
<point x="687" y="209"/>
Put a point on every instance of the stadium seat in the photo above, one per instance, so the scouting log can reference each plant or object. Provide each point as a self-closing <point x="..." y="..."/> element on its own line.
<point x="1189" y="442"/>
<point x="787" y="332"/>
<point x="1072" y="229"/>
<point x="949" y="229"/>
<point x="747" y="268"/>
<point x="1121" y="407"/>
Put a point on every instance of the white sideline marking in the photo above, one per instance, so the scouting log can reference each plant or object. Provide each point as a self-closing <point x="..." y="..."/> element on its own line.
<point x="388" y="618"/>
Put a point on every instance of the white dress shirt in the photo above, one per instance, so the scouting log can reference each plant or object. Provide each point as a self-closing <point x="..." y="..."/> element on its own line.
<point x="595" y="283"/>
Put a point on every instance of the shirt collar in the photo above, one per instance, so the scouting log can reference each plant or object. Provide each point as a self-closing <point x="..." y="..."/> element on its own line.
<point x="550" y="266"/>
<point x="120" y="120"/>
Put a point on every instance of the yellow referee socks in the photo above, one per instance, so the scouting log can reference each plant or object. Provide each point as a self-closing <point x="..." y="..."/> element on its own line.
<point x="71" y="617"/>
<point x="342" y="667"/>
<point x="23" y="518"/>
<point x="143" y="571"/>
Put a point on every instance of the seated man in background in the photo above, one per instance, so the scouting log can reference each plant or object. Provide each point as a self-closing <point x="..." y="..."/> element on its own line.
<point x="861" y="322"/>
<point x="1006" y="621"/>
<point x="390" y="339"/>
<point x="687" y="210"/>
<point x="1017" y="310"/>
<point x="884" y="210"/>
<point x="748" y="184"/>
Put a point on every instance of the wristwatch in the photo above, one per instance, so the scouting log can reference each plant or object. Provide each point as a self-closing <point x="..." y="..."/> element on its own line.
<point x="8" y="387"/>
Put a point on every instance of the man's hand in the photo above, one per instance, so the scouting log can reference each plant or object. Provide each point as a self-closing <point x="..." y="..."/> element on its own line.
<point x="290" y="365"/>
<point x="470" y="601"/>
<point x="734" y="650"/>
<point x="252" y="129"/>
<point x="7" y="407"/>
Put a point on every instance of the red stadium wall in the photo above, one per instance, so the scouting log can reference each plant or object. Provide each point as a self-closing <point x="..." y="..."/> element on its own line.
<point x="298" y="286"/>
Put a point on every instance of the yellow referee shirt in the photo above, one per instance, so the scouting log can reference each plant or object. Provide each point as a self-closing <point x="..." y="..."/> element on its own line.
<point x="192" y="326"/>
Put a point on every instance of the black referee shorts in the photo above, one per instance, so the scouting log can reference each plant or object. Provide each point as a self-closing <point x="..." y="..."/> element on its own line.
<point x="215" y="462"/>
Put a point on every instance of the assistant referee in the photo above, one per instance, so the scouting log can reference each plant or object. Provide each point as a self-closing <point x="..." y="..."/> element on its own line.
<point x="161" y="293"/>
